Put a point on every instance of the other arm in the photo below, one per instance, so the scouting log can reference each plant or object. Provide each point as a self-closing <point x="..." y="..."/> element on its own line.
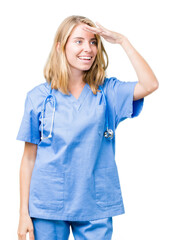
<point x="26" y="168"/>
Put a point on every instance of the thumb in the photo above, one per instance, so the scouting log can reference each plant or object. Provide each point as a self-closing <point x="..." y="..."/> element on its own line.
<point x="31" y="235"/>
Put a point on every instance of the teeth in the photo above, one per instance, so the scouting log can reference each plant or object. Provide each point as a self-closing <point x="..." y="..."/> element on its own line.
<point x="85" y="58"/>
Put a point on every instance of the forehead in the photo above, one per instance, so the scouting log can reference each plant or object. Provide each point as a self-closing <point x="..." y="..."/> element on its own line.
<point x="79" y="32"/>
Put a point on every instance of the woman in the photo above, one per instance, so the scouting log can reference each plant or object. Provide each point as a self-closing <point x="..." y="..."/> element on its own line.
<point x="68" y="174"/>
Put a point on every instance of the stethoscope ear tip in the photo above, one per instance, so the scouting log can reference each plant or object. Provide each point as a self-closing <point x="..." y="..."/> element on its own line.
<point x="49" y="136"/>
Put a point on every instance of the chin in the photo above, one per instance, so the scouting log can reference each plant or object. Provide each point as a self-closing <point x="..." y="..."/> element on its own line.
<point x="87" y="69"/>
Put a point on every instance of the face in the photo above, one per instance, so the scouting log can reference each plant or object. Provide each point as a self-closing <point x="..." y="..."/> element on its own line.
<point x="81" y="49"/>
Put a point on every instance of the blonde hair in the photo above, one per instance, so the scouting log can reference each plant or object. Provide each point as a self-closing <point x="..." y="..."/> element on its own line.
<point x="57" y="69"/>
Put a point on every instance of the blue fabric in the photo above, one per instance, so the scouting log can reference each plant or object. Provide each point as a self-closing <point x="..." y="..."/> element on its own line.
<point x="29" y="128"/>
<point x="75" y="175"/>
<point x="60" y="230"/>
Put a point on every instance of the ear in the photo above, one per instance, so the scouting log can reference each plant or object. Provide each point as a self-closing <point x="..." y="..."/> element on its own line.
<point x="57" y="46"/>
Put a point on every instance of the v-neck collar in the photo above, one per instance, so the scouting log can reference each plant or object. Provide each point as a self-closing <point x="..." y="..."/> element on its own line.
<point x="78" y="102"/>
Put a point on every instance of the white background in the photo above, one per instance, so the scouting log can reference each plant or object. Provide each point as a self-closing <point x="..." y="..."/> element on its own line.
<point x="144" y="154"/>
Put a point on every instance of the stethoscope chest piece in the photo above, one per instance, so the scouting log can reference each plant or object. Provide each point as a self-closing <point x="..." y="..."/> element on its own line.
<point x="109" y="134"/>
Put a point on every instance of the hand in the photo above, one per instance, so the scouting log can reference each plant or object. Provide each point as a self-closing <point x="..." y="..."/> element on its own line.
<point x="25" y="225"/>
<point x="110" y="36"/>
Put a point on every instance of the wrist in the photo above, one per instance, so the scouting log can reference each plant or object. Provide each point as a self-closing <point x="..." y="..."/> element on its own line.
<point x="22" y="214"/>
<point x="124" y="41"/>
<point x="23" y="211"/>
<point x="120" y="38"/>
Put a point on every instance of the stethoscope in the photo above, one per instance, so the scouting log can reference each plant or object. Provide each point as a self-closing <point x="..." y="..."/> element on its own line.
<point x="107" y="134"/>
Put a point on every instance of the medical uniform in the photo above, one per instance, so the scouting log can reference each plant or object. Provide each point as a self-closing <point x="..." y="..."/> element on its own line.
<point x="100" y="229"/>
<point x="75" y="176"/>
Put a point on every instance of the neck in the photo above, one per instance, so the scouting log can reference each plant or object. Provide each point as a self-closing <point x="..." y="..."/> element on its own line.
<point x="76" y="79"/>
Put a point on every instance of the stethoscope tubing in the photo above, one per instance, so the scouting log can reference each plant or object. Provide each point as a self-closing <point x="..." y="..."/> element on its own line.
<point x="43" y="114"/>
<point x="107" y="134"/>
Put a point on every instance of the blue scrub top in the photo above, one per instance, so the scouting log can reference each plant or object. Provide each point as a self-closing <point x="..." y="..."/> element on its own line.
<point x="75" y="175"/>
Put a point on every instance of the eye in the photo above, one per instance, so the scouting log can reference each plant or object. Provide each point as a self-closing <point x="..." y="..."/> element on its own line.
<point x="79" y="41"/>
<point x="94" y="42"/>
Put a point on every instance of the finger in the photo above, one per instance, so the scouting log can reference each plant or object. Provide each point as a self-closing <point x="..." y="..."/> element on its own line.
<point x="31" y="235"/>
<point x="21" y="236"/>
<point x="93" y="30"/>
<point x="89" y="27"/>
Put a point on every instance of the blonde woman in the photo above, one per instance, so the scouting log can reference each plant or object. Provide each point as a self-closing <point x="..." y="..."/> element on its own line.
<point x="68" y="173"/>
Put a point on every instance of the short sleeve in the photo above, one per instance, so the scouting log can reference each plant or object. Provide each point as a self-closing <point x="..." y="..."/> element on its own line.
<point x="29" y="128"/>
<point x="125" y="106"/>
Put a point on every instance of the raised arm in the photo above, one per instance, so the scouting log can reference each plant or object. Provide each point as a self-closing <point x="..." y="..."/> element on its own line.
<point x="147" y="82"/>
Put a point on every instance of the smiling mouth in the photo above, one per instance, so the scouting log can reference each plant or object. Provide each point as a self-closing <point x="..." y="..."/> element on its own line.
<point x="86" y="59"/>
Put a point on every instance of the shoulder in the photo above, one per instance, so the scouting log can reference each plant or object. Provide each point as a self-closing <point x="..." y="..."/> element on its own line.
<point x="116" y="85"/>
<point x="110" y="83"/>
<point x="37" y="94"/>
<point x="39" y="91"/>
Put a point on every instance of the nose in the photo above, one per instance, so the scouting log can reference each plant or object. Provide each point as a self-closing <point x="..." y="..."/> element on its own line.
<point x="87" y="47"/>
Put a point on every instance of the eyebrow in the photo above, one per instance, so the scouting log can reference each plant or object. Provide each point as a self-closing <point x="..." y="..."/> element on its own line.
<point x="83" y="38"/>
